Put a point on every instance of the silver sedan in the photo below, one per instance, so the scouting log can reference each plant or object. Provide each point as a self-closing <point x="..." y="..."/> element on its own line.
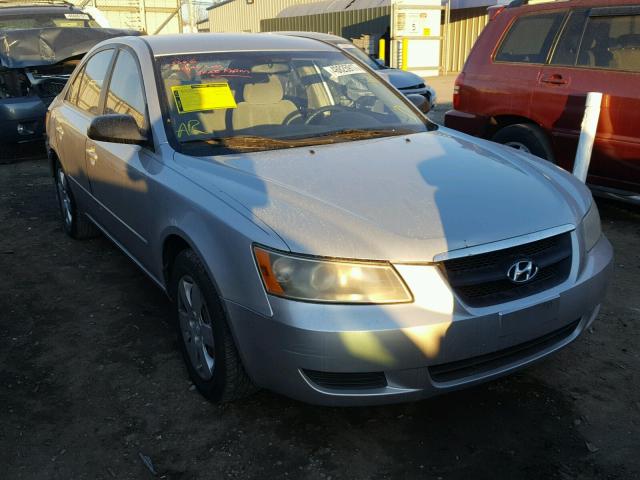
<point x="317" y="235"/>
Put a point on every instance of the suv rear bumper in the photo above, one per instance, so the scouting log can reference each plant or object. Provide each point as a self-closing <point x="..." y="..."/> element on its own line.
<point x="469" y="123"/>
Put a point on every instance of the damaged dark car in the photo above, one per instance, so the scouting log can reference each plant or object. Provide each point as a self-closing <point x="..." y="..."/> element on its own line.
<point x="40" y="47"/>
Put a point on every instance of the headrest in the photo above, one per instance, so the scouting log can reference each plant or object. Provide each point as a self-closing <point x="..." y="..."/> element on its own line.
<point x="630" y="40"/>
<point x="271" y="68"/>
<point x="264" y="93"/>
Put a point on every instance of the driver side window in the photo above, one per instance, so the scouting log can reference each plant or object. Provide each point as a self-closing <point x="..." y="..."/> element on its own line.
<point x="125" y="95"/>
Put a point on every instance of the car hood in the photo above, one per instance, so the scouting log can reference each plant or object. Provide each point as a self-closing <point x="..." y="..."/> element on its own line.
<point x="400" y="79"/>
<point x="47" y="46"/>
<point x="403" y="199"/>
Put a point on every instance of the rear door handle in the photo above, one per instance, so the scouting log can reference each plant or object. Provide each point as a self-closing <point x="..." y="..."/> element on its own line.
<point x="555" y="79"/>
<point x="92" y="155"/>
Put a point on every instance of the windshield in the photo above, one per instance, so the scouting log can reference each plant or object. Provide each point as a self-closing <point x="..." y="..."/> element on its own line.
<point x="58" y="20"/>
<point x="249" y="101"/>
<point x="360" y="55"/>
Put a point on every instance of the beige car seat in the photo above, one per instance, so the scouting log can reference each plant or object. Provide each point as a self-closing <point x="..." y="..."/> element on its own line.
<point x="264" y="102"/>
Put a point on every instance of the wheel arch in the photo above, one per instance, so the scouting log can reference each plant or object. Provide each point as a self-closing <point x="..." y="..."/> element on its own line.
<point x="498" y="122"/>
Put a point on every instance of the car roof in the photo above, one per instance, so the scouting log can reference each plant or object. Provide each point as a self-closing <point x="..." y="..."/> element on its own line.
<point x="228" y="42"/>
<point x="564" y="4"/>
<point x="324" y="37"/>
<point x="18" y="8"/>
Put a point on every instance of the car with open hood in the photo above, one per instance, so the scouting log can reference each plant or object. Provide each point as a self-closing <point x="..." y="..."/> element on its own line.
<point x="40" y="45"/>
<point x="317" y="234"/>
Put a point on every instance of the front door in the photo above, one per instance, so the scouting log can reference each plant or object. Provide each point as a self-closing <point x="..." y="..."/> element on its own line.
<point x="120" y="174"/>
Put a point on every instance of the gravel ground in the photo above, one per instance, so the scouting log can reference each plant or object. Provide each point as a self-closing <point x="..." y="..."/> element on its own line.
<point x="92" y="385"/>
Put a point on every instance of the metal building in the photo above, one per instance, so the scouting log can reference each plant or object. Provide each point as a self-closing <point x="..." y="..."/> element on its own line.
<point x="151" y="16"/>
<point x="245" y="15"/>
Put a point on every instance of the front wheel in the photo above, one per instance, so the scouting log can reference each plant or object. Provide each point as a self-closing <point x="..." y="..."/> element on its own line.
<point x="526" y="137"/>
<point x="204" y="337"/>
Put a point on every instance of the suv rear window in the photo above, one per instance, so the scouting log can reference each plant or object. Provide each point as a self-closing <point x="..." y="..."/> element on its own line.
<point x="611" y="42"/>
<point x="530" y="38"/>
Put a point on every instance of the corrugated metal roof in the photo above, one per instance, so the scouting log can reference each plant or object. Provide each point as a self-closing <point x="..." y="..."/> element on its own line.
<point x="342" y="5"/>
<point x="331" y="6"/>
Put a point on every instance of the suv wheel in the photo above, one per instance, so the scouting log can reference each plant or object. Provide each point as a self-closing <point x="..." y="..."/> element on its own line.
<point x="526" y="137"/>
<point x="204" y="337"/>
<point x="74" y="225"/>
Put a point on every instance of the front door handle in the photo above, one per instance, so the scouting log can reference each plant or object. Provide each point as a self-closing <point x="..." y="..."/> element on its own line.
<point x="555" y="79"/>
<point x="92" y="155"/>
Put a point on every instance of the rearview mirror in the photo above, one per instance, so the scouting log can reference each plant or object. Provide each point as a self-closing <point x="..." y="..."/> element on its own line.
<point x="419" y="101"/>
<point x="116" y="128"/>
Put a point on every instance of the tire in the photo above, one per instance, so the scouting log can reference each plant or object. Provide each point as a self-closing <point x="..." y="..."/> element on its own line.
<point x="74" y="224"/>
<point x="527" y="137"/>
<point x="204" y="336"/>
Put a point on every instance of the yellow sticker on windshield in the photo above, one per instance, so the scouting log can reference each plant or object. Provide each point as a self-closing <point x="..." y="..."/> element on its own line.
<point x="203" y="96"/>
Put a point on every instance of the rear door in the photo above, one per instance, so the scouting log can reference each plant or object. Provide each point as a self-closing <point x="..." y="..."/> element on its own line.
<point x="598" y="51"/>
<point x="121" y="175"/>
<point x="506" y="85"/>
<point x="80" y="106"/>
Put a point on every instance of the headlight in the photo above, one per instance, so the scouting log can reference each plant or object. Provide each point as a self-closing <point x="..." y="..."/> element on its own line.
<point x="331" y="281"/>
<point x="591" y="228"/>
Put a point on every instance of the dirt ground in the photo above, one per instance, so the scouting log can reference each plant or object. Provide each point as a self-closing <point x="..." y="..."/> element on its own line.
<point x="91" y="379"/>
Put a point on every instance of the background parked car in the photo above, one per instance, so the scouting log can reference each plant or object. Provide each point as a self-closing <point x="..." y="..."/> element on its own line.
<point x="40" y="45"/>
<point x="526" y="80"/>
<point x="408" y="83"/>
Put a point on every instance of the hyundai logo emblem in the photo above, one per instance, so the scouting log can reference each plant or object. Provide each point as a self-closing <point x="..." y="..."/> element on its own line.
<point x="522" y="271"/>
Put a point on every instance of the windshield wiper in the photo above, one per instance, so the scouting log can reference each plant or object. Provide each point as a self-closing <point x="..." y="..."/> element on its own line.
<point x="256" y="143"/>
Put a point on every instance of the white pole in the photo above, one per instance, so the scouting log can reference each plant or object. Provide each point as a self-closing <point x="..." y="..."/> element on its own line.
<point x="587" y="135"/>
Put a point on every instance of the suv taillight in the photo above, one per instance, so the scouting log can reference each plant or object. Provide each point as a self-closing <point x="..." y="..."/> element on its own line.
<point x="456" y="91"/>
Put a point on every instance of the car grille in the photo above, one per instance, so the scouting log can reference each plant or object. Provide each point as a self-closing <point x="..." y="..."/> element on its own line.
<point x="337" y="381"/>
<point x="481" y="280"/>
<point x="483" y="364"/>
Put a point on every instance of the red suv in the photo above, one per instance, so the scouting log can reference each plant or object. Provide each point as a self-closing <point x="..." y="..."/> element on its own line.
<point x="526" y="79"/>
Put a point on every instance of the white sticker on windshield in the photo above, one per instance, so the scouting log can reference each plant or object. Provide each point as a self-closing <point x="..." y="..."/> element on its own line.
<point x="342" y="69"/>
<point x="76" y="16"/>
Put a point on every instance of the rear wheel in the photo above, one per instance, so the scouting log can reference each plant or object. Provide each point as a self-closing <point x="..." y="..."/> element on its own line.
<point x="526" y="137"/>
<point x="75" y="225"/>
<point x="204" y="337"/>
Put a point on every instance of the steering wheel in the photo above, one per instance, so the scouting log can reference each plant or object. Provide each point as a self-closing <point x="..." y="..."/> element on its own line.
<point x="288" y="120"/>
<point x="365" y="102"/>
<point x="322" y="110"/>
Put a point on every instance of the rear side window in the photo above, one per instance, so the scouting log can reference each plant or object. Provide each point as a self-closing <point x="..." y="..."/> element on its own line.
<point x="95" y="72"/>
<point x="530" y="38"/>
<point x="125" y="94"/>
<point x="566" y="51"/>
<point x="611" y="42"/>
<point x="72" y="93"/>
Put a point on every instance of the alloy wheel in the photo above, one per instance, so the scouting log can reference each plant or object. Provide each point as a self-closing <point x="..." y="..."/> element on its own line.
<point x="196" y="327"/>
<point x="64" y="197"/>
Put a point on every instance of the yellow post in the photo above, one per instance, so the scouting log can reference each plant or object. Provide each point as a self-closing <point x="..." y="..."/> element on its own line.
<point x="381" y="50"/>
<point x="405" y="53"/>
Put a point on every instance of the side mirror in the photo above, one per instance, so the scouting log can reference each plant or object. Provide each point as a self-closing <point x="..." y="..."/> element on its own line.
<point x="116" y="128"/>
<point x="380" y="62"/>
<point x="419" y="101"/>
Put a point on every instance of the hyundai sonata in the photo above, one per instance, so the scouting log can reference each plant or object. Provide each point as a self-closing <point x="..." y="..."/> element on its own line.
<point x="317" y="235"/>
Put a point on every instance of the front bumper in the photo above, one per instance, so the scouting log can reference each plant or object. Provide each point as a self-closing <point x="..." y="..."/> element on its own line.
<point x="22" y="119"/>
<point x="430" y="346"/>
